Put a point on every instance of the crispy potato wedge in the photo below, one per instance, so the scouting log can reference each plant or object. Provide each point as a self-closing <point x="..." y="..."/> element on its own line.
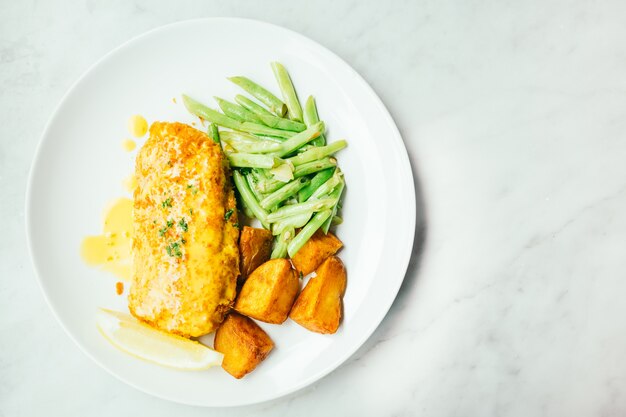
<point x="316" y="251"/>
<point x="255" y="247"/>
<point x="243" y="343"/>
<point x="269" y="292"/>
<point x="318" y="307"/>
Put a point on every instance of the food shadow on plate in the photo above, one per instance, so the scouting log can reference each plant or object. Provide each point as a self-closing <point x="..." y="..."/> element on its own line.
<point x="410" y="278"/>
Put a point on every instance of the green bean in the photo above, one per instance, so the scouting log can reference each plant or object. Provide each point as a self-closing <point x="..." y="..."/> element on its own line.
<point x="311" y="117"/>
<point x="252" y="106"/>
<point x="214" y="133"/>
<point x="250" y="180"/>
<point x="291" y="222"/>
<point x="307" y="231"/>
<point x="247" y="211"/>
<point x="335" y="194"/>
<point x="272" y="138"/>
<point x="243" y="142"/>
<point x="281" y="244"/>
<point x="259" y="129"/>
<point x="270" y="100"/>
<point x="300" y="208"/>
<point x="300" y="139"/>
<point x="320" y="178"/>
<point x="268" y="118"/>
<point x="250" y="160"/>
<point x="318" y="152"/>
<point x="280" y="123"/>
<point x="269" y="185"/>
<point x="206" y="113"/>
<point x="237" y="112"/>
<point x="289" y="93"/>
<point x="216" y="117"/>
<point x="283" y="193"/>
<point x="324" y="190"/>
<point x="248" y="198"/>
<point x="315" y="166"/>
<point x="337" y="220"/>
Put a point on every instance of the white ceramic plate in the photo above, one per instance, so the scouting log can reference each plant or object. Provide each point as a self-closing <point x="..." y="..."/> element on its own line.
<point x="80" y="165"/>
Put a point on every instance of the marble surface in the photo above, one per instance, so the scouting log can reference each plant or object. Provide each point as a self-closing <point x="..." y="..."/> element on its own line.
<point x="513" y="114"/>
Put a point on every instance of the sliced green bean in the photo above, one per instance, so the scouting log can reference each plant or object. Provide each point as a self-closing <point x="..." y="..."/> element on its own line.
<point x="318" y="152"/>
<point x="311" y="117"/>
<point x="325" y="190"/>
<point x="283" y="193"/>
<point x="281" y="244"/>
<point x="251" y="183"/>
<point x="259" y="129"/>
<point x="335" y="194"/>
<point x="247" y="211"/>
<point x="252" y="106"/>
<point x="315" y="166"/>
<point x="250" y="160"/>
<point x="319" y="179"/>
<point x="300" y="208"/>
<point x="268" y="185"/>
<point x="206" y="113"/>
<point x="268" y="118"/>
<point x="248" y="198"/>
<point x="300" y="139"/>
<point x="288" y="91"/>
<point x="293" y="222"/>
<point x="236" y="111"/>
<point x="307" y="231"/>
<point x="280" y="123"/>
<point x="270" y="100"/>
<point x="214" y="133"/>
<point x="243" y="142"/>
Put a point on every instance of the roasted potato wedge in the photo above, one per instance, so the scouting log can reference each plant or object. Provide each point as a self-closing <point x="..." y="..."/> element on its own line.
<point x="243" y="343"/>
<point x="269" y="292"/>
<point x="318" y="307"/>
<point x="316" y="251"/>
<point x="255" y="247"/>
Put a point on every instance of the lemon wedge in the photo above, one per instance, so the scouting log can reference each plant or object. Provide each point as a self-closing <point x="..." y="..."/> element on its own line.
<point x="140" y="340"/>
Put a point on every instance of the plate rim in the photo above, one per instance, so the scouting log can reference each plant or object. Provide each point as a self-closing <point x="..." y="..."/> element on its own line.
<point x="405" y="167"/>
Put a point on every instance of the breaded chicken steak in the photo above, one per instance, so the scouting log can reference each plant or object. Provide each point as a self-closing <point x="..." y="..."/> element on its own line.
<point x="185" y="254"/>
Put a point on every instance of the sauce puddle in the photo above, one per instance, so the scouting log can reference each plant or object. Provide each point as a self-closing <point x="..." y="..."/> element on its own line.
<point x="111" y="250"/>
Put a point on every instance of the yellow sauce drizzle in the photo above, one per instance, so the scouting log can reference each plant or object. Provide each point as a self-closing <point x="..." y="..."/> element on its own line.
<point x="138" y="126"/>
<point x="111" y="251"/>
<point x="130" y="183"/>
<point x="128" y="145"/>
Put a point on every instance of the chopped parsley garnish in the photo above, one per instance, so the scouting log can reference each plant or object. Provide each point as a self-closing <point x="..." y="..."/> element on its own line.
<point x="183" y="225"/>
<point x="228" y="214"/>
<point x="167" y="202"/>
<point x="167" y="226"/>
<point x="173" y="249"/>
<point x="236" y="225"/>
<point x="194" y="190"/>
<point x="301" y="275"/>
<point x="190" y="211"/>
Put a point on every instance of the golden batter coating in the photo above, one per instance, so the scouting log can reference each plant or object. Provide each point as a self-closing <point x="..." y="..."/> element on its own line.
<point x="185" y="253"/>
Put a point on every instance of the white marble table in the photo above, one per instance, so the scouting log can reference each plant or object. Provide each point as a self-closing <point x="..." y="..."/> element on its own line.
<point x="514" y="115"/>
